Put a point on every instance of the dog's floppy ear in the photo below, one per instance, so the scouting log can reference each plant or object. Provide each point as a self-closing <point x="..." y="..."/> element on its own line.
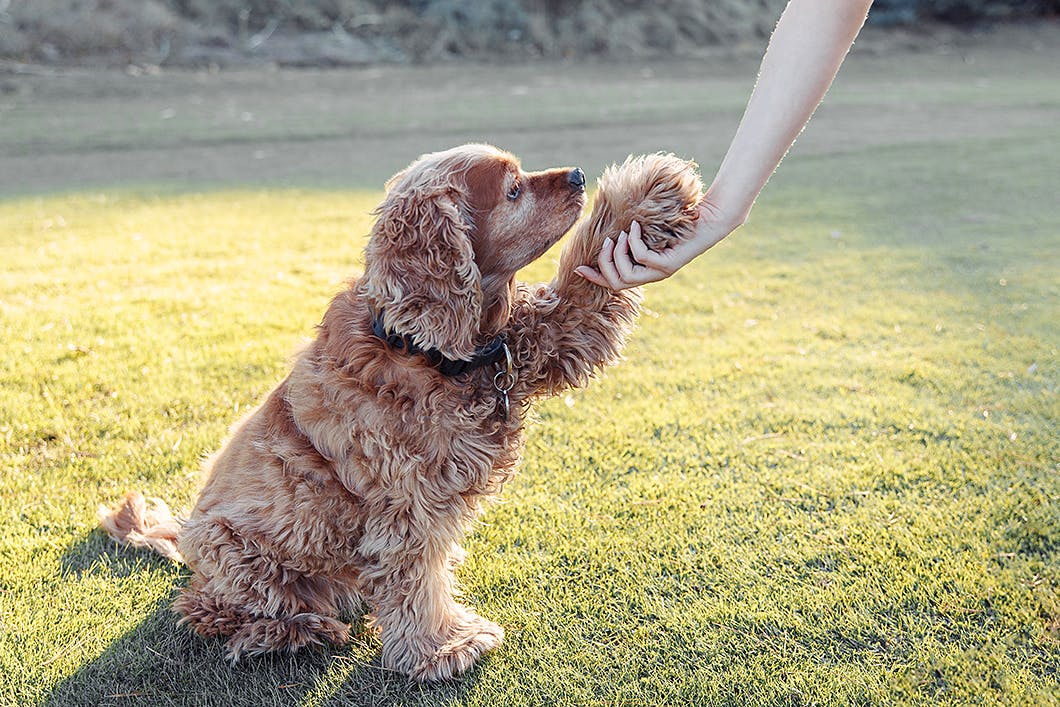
<point x="420" y="266"/>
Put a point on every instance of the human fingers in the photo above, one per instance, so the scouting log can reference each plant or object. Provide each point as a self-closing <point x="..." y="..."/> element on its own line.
<point x="592" y="275"/>
<point x="643" y="254"/>
<point x="634" y="273"/>
<point x="606" y="264"/>
<point x="623" y="261"/>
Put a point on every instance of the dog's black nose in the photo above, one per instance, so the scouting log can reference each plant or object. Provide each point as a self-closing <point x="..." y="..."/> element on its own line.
<point x="576" y="178"/>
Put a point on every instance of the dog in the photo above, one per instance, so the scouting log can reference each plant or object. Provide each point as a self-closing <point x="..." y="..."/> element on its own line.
<point x="355" y="480"/>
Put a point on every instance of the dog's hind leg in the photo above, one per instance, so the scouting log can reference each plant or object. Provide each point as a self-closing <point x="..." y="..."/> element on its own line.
<point x="251" y="632"/>
<point x="289" y="634"/>
<point x="260" y="604"/>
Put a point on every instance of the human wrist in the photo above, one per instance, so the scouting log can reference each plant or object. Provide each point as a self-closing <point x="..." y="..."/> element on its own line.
<point x="721" y="214"/>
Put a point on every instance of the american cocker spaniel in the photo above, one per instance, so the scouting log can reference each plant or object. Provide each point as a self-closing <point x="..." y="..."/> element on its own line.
<point x="354" y="481"/>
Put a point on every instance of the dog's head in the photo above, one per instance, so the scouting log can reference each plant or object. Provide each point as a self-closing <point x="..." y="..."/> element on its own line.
<point x="454" y="228"/>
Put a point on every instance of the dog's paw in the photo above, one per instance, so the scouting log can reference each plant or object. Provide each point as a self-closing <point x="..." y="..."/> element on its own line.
<point x="289" y="634"/>
<point x="659" y="191"/>
<point x="467" y="641"/>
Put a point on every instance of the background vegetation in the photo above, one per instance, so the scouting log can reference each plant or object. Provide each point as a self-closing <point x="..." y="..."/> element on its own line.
<point x="349" y="32"/>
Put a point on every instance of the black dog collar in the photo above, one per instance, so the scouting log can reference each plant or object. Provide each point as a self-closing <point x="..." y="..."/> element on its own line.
<point x="493" y="352"/>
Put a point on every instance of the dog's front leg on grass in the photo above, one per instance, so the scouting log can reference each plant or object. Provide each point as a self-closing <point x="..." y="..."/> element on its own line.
<point x="425" y="632"/>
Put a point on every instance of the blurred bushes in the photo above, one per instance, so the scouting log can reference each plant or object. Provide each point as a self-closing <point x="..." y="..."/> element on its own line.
<point x="886" y="12"/>
<point x="427" y="29"/>
<point x="362" y="31"/>
<point x="56" y="30"/>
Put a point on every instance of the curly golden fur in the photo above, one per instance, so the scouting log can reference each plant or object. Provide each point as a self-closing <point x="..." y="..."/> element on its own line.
<point x="354" y="482"/>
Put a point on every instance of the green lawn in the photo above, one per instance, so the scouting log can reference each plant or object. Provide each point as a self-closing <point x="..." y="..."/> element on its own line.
<point x="827" y="472"/>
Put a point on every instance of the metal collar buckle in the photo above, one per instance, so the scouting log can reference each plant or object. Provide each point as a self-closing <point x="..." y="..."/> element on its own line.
<point x="504" y="380"/>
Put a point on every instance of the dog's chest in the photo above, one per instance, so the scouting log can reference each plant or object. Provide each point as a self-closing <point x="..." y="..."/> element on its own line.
<point x="466" y="455"/>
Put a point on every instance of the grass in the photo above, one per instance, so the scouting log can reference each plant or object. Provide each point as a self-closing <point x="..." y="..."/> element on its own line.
<point x="825" y="474"/>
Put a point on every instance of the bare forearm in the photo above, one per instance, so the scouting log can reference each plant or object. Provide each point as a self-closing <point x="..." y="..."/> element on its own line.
<point x="807" y="47"/>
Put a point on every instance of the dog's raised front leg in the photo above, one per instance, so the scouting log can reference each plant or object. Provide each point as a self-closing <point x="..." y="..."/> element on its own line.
<point x="563" y="333"/>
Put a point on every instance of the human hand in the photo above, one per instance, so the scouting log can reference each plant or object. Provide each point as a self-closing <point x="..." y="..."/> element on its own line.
<point x="628" y="262"/>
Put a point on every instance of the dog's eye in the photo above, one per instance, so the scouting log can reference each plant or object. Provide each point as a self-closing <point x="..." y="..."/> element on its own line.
<point x="513" y="193"/>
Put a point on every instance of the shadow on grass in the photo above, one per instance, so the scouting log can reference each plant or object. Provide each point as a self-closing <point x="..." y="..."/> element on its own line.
<point x="160" y="662"/>
<point x="98" y="555"/>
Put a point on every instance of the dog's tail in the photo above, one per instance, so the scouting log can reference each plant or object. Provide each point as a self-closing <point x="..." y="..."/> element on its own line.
<point x="132" y="523"/>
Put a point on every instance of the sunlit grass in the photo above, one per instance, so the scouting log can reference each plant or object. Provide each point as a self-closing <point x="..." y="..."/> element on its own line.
<point x="826" y="472"/>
